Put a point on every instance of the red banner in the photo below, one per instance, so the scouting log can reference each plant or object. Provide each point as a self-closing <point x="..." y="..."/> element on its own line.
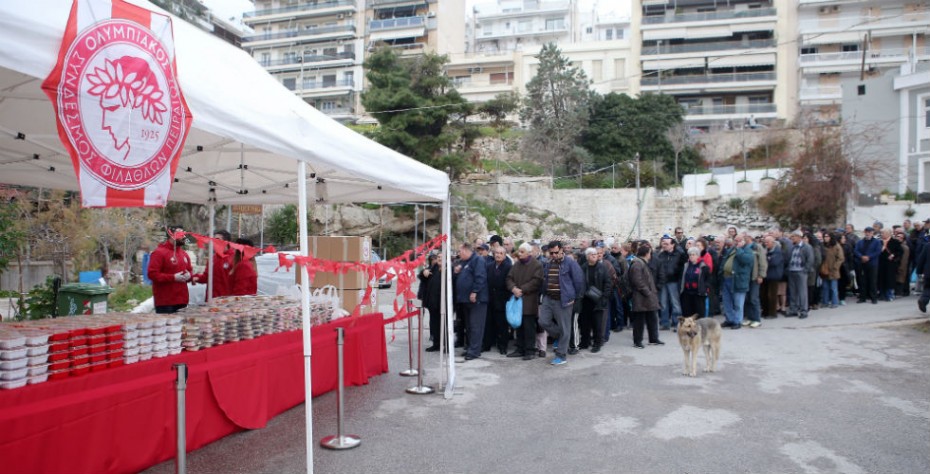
<point x="120" y="111"/>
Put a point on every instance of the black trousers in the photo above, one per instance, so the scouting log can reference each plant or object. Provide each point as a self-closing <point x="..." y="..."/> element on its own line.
<point x="496" y="329"/>
<point x="526" y="334"/>
<point x="651" y="320"/>
<point x="171" y="309"/>
<point x="591" y="321"/>
<point x="868" y="282"/>
<point x="693" y="304"/>
<point x="435" y="324"/>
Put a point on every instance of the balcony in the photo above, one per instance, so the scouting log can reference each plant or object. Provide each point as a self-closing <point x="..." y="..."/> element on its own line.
<point x="821" y="93"/>
<point x="323" y="7"/>
<point x="723" y="110"/>
<point x="708" y="16"/>
<point x="835" y="61"/>
<point x="397" y="23"/>
<point x="502" y="33"/>
<point x="310" y="85"/>
<point x="297" y="35"/>
<point x="709" y="46"/>
<point x="546" y="9"/>
<point x="297" y="60"/>
<point x="393" y="3"/>
<point x="891" y="19"/>
<point x="708" y="78"/>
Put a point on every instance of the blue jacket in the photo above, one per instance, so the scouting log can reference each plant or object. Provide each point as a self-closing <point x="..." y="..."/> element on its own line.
<point x="776" y="270"/>
<point x="473" y="278"/>
<point x="571" y="281"/>
<point x="871" y="248"/>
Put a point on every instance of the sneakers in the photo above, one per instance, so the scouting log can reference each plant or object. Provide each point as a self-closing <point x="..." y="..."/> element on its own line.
<point x="745" y="322"/>
<point x="558" y="361"/>
<point x="755" y="324"/>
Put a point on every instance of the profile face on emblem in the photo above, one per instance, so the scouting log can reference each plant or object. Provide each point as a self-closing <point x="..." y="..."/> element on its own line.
<point x="120" y="103"/>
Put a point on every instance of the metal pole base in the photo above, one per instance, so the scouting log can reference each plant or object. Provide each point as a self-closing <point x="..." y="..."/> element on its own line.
<point x="409" y="373"/>
<point x="340" y="442"/>
<point x="420" y="390"/>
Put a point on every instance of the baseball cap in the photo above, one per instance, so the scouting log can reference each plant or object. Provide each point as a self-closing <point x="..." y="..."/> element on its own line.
<point x="484" y="247"/>
<point x="869" y="229"/>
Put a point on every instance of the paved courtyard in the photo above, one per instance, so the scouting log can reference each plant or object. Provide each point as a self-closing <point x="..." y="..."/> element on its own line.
<point x="845" y="391"/>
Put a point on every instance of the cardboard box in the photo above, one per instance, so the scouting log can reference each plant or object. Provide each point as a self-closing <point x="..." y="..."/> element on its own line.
<point x="340" y="249"/>
<point x="351" y="298"/>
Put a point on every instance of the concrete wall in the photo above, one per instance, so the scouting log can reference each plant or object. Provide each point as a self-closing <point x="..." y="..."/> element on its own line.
<point x="888" y="214"/>
<point x="34" y="274"/>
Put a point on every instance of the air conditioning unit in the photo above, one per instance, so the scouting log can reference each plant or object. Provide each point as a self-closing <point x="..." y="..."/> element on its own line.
<point x="341" y="16"/>
<point x="475" y="70"/>
<point x="431" y="15"/>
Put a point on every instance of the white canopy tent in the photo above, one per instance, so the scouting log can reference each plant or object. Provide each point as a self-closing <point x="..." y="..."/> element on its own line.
<point x="252" y="141"/>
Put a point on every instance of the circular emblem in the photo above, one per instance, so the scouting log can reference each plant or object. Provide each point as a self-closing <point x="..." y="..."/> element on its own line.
<point x="120" y="104"/>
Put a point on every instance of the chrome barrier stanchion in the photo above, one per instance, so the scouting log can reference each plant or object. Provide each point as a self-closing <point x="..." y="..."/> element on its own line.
<point x="410" y="372"/>
<point x="339" y="440"/>
<point x="420" y="389"/>
<point x="180" y="464"/>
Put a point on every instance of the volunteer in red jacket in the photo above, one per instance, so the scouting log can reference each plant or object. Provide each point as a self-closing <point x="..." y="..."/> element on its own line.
<point x="222" y="266"/>
<point x="170" y="270"/>
<point x="244" y="278"/>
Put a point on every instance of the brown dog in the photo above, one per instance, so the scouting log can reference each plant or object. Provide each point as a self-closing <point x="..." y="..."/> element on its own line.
<point x="693" y="333"/>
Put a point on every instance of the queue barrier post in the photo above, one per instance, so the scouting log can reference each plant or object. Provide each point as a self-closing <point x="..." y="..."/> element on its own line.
<point x="340" y="441"/>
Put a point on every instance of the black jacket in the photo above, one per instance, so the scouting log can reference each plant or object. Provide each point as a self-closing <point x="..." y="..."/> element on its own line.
<point x="598" y="276"/>
<point x="497" y="284"/>
<point x="430" y="292"/>
<point x="669" y="265"/>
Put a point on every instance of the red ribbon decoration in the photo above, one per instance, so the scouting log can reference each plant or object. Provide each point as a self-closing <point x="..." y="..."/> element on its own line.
<point x="404" y="267"/>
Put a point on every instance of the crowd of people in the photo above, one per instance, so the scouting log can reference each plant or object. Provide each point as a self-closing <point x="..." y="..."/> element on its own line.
<point x="170" y="270"/>
<point x="577" y="293"/>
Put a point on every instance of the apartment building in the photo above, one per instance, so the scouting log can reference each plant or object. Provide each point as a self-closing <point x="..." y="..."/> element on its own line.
<point x="416" y="26"/>
<point x="503" y="39"/>
<point x="315" y="48"/>
<point x="841" y="40"/>
<point x="728" y="62"/>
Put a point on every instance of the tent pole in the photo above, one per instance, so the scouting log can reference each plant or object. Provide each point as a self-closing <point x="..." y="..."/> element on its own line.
<point x="305" y="307"/>
<point x="447" y="294"/>
<point x="209" y="293"/>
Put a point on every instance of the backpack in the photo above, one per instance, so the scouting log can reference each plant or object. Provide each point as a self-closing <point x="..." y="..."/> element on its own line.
<point x="623" y="280"/>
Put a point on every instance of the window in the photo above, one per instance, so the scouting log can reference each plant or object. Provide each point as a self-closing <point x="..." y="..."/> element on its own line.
<point x="349" y="78"/>
<point x="848" y="48"/>
<point x="597" y="67"/>
<point x="266" y="59"/>
<point x="329" y="80"/>
<point x="808" y="50"/>
<point x="588" y="30"/>
<point x="524" y="26"/>
<point x="610" y="33"/>
<point x="555" y="24"/>
<point x="759" y="99"/>
<point x="290" y="83"/>
<point x="502" y="78"/>
<point x="927" y="113"/>
<point x="290" y="57"/>
<point x="619" y="33"/>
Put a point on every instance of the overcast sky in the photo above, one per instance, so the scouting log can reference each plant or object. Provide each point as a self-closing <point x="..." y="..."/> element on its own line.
<point x="234" y="8"/>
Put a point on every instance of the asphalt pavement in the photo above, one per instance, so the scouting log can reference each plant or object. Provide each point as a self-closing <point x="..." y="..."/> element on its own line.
<point x="845" y="391"/>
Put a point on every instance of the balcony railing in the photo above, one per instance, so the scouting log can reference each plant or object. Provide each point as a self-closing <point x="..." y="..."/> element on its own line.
<point x="394" y="23"/>
<point x="307" y="59"/>
<point x="296" y="32"/>
<point x="378" y="3"/>
<point x="299" y="8"/>
<point x="706" y="16"/>
<point x="709" y="78"/>
<point x="887" y="54"/>
<point x="743" y="109"/>
<point x="312" y="85"/>
<point x="890" y="18"/>
<point x="821" y="92"/>
<point x="711" y="46"/>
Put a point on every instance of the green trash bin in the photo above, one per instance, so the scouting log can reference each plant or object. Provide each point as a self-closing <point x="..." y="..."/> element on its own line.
<point x="82" y="298"/>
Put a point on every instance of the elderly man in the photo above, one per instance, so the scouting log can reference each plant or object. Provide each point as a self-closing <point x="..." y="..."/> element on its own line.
<point x="669" y="263"/>
<point x="753" y="306"/>
<point x="774" y="275"/>
<point x="564" y="282"/>
<point x="800" y="262"/>
<point x="867" y="252"/>
<point x="471" y="293"/>
<point x="525" y="281"/>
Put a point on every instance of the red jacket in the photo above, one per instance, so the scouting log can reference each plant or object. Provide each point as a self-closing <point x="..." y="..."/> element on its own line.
<point x="244" y="279"/>
<point x="166" y="291"/>
<point x="222" y="266"/>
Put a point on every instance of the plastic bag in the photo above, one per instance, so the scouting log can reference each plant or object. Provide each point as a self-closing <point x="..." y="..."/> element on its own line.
<point x="514" y="310"/>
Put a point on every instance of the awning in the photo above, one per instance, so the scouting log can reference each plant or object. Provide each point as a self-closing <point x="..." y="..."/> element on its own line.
<point x="666" y="64"/>
<point x="742" y="60"/>
<point x="664" y="33"/>
<point x="398" y="34"/>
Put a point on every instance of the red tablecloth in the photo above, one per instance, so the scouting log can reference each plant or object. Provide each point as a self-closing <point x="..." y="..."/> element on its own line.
<point x="123" y="419"/>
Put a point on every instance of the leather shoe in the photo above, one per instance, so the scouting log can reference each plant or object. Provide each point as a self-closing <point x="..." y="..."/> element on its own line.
<point x="541" y="354"/>
<point x="516" y="353"/>
<point x="726" y="324"/>
<point x="639" y="346"/>
<point x="470" y="357"/>
<point x="922" y="305"/>
<point x="529" y="357"/>
<point x="656" y="343"/>
<point x="432" y="349"/>
<point x="736" y="326"/>
<point x="572" y="350"/>
<point x="595" y="349"/>
<point x="803" y="316"/>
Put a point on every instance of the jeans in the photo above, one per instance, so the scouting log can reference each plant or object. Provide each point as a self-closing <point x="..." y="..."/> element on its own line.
<point x="732" y="302"/>
<point x="616" y="311"/>
<point x="753" y="309"/>
<point x="670" y="304"/>
<point x="797" y="293"/>
<point x="557" y="321"/>
<point x="829" y="293"/>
